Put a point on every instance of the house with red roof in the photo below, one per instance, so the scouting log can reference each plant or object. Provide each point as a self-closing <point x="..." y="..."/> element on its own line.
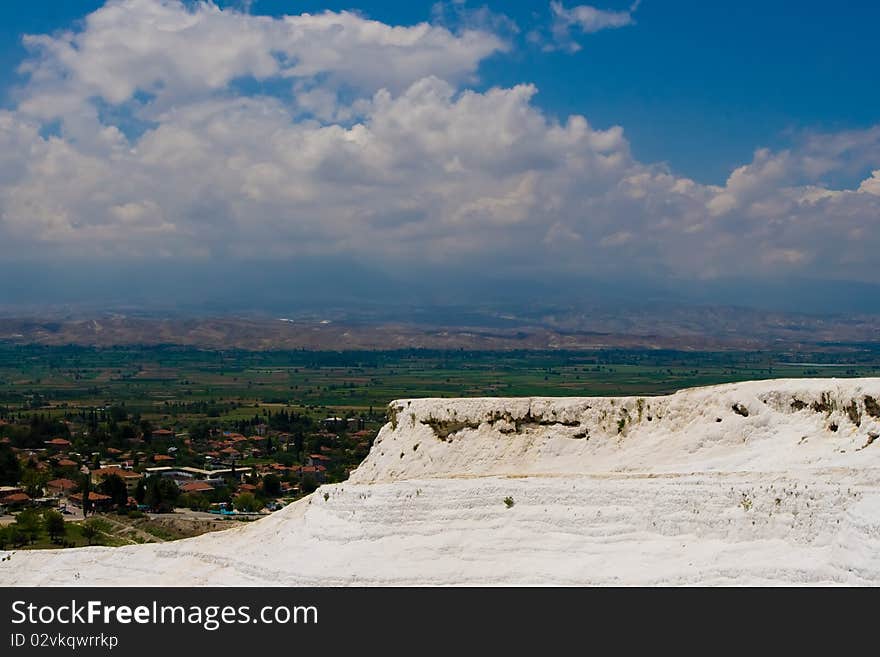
<point x="289" y="488"/>
<point x="60" y="487"/>
<point x="196" y="487"/>
<point x="318" y="459"/>
<point x="96" y="500"/>
<point x="130" y="477"/>
<point x="15" y="500"/>
<point x="317" y="471"/>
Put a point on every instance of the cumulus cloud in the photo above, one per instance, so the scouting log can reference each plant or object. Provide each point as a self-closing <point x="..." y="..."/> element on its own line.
<point x="173" y="52"/>
<point x="388" y="157"/>
<point x="871" y="185"/>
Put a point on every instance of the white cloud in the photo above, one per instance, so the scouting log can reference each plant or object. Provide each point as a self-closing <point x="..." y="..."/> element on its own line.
<point x="871" y="185"/>
<point x="420" y="169"/>
<point x="177" y="52"/>
<point x="585" y="19"/>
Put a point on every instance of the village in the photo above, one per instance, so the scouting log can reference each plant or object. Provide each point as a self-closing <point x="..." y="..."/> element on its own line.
<point x="104" y="476"/>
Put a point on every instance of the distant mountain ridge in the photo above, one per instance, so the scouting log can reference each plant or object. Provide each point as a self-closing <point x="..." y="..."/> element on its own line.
<point x="675" y="328"/>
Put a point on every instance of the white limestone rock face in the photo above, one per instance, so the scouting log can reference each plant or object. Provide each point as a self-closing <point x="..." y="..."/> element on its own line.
<point x="765" y="482"/>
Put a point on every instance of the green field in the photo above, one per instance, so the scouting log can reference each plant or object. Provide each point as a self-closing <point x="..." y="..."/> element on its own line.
<point x="180" y="383"/>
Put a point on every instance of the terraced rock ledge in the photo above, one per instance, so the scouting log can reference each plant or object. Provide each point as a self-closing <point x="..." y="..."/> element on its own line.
<point x="764" y="482"/>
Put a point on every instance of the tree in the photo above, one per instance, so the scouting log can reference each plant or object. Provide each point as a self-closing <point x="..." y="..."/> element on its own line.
<point x="220" y="494"/>
<point x="286" y="459"/>
<point x="54" y="523"/>
<point x="114" y="486"/>
<point x="118" y="414"/>
<point x="309" y="483"/>
<point x="161" y="494"/>
<point x="85" y="486"/>
<point x="194" y="501"/>
<point x="247" y="502"/>
<point x="147" y="430"/>
<point x="90" y="530"/>
<point x="10" y="468"/>
<point x="140" y="492"/>
<point x="33" y="481"/>
<point x="14" y="535"/>
<point x="28" y="523"/>
<point x="272" y="485"/>
<point x="200" y="431"/>
<point x="127" y="433"/>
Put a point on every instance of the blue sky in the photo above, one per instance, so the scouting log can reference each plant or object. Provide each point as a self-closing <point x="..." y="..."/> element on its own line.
<point x="697" y="84"/>
<point x="713" y="147"/>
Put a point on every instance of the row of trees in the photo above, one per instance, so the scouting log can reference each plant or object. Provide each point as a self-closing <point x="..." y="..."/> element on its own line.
<point x="30" y="525"/>
<point x="160" y="494"/>
<point x="270" y="489"/>
<point x="36" y="432"/>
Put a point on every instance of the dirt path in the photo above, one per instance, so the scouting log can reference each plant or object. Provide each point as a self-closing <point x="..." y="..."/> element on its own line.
<point x="124" y="530"/>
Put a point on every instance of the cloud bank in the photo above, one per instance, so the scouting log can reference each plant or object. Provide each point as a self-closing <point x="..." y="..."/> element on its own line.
<point x="189" y="133"/>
